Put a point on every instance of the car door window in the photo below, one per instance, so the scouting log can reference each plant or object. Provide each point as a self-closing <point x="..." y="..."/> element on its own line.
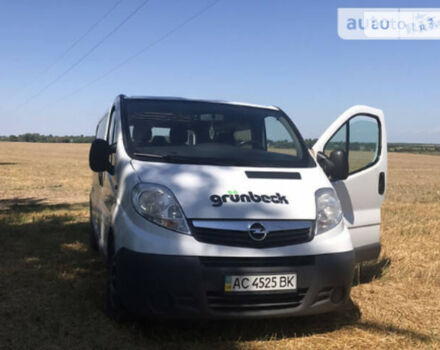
<point x="100" y="134"/>
<point x="364" y="143"/>
<point x="337" y="142"/>
<point x="112" y="136"/>
<point x="359" y="138"/>
<point x="111" y="131"/>
<point x="100" y="130"/>
<point x="115" y="132"/>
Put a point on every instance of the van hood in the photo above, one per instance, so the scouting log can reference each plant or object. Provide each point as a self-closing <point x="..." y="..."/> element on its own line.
<point x="224" y="192"/>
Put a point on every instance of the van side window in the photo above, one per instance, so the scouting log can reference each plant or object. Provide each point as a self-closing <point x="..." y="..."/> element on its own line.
<point x="359" y="138"/>
<point x="113" y="129"/>
<point x="100" y="130"/>
<point x="115" y="133"/>
<point x="112" y="137"/>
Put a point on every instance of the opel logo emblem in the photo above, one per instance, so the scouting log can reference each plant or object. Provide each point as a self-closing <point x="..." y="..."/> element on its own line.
<point x="257" y="231"/>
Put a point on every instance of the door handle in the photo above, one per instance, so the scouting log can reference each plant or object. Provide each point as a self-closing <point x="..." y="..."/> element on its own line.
<point x="381" y="183"/>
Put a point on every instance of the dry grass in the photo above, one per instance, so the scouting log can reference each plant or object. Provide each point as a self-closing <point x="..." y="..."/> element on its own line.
<point x="52" y="286"/>
<point x="44" y="170"/>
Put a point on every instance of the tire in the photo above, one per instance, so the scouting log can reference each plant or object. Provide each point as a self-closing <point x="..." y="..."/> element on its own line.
<point x="114" y="307"/>
<point x="93" y="239"/>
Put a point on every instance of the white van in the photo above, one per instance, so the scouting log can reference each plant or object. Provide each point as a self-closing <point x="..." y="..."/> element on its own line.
<point x="209" y="209"/>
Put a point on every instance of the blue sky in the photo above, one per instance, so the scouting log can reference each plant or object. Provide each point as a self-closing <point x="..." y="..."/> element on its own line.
<point x="284" y="53"/>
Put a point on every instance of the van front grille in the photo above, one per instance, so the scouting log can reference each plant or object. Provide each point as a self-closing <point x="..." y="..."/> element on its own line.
<point x="241" y="238"/>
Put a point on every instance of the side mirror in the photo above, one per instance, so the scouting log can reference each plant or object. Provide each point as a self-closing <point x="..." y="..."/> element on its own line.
<point x="99" y="156"/>
<point x="340" y="161"/>
<point x="335" y="166"/>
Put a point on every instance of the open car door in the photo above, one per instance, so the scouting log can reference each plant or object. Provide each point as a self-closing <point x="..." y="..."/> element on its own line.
<point x="360" y="132"/>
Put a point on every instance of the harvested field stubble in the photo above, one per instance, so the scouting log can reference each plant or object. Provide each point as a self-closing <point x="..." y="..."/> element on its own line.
<point x="52" y="285"/>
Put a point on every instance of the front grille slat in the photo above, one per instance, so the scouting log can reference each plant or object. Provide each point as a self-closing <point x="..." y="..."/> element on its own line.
<point x="290" y="233"/>
<point x="229" y="262"/>
<point x="243" y="307"/>
<point x="276" y="238"/>
<point x="253" y="302"/>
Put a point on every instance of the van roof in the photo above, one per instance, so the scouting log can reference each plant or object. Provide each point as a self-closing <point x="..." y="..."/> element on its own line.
<point x="169" y="98"/>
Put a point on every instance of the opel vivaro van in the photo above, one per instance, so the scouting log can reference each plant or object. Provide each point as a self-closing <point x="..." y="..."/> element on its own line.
<point x="209" y="209"/>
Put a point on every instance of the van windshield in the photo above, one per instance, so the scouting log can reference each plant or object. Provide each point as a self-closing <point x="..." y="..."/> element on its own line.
<point x="193" y="132"/>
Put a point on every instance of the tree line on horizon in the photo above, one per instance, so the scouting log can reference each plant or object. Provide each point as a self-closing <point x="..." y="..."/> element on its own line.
<point x="35" y="137"/>
<point x="392" y="147"/>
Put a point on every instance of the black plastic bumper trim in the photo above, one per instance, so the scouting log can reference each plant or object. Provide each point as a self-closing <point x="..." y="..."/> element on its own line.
<point x="172" y="286"/>
<point x="369" y="252"/>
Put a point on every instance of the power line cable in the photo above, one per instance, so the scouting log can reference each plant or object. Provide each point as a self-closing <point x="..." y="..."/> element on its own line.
<point x="76" y="42"/>
<point x="88" y="53"/>
<point x="73" y="45"/>
<point x="143" y="50"/>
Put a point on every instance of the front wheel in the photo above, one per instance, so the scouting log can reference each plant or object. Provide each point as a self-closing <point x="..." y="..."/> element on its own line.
<point x="114" y="307"/>
<point x="93" y="238"/>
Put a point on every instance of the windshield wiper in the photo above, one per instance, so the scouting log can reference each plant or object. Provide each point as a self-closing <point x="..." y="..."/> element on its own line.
<point x="169" y="157"/>
<point x="150" y="155"/>
<point x="172" y="157"/>
<point x="199" y="160"/>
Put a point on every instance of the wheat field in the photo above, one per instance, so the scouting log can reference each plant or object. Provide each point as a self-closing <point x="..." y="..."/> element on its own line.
<point x="52" y="286"/>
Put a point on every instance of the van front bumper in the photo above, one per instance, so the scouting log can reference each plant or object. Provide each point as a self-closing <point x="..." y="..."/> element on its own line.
<point x="193" y="287"/>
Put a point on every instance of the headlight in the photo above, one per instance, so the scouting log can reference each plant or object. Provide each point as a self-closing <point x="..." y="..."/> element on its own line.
<point x="328" y="210"/>
<point x="157" y="204"/>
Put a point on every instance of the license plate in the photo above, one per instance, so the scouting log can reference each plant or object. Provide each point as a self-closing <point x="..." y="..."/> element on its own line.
<point x="260" y="283"/>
